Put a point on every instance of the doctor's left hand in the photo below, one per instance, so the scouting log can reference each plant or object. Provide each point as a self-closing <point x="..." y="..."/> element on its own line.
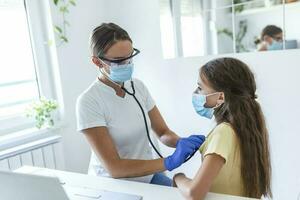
<point x="184" y="148"/>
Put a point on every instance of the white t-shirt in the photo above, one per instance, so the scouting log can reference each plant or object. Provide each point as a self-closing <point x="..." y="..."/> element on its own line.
<point x="99" y="106"/>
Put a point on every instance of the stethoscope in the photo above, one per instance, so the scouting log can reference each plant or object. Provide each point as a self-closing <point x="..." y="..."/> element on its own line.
<point x="143" y="112"/>
<point x="144" y="115"/>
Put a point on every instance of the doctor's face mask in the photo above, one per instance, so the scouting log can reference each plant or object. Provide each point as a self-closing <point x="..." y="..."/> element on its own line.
<point x="119" y="69"/>
<point x="120" y="73"/>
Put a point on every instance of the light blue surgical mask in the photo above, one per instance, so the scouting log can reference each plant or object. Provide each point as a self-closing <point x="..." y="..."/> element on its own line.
<point x="199" y="101"/>
<point x="119" y="73"/>
<point x="276" y="45"/>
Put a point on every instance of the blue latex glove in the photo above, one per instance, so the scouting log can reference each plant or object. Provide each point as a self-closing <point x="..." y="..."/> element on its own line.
<point x="184" y="148"/>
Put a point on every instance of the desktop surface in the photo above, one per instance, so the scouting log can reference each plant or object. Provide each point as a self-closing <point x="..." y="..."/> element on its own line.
<point x="147" y="191"/>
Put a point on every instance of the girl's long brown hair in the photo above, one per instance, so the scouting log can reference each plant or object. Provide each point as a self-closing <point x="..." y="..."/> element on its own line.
<point x="244" y="113"/>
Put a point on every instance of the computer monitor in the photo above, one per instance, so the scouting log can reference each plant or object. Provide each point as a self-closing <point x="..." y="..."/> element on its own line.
<point x="16" y="186"/>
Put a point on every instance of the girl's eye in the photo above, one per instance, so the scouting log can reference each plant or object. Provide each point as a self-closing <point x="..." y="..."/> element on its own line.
<point x="199" y="88"/>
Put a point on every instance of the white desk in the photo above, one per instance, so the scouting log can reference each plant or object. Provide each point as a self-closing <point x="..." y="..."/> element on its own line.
<point x="148" y="191"/>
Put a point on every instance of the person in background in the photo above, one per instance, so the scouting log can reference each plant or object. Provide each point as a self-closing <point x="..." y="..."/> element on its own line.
<point x="271" y="39"/>
<point x="235" y="155"/>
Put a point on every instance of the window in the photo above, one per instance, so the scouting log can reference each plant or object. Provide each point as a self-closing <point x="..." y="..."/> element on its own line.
<point x="181" y="28"/>
<point x="23" y="51"/>
<point x="18" y="81"/>
<point x="167" y="29"/>
<point x="191" y="28"/>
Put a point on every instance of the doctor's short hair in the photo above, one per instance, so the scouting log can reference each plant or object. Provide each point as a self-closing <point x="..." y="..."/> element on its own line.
<point x="105" y="36"/>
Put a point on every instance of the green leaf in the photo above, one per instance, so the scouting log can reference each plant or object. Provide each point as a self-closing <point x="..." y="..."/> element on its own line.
<point x="63" y="38"/>
<point x="51" y="122"/>
<point x="41" y="111"/>
<point x="72" y="2"/>
<point x="58" y="29"/>
<point x="55" y="2"/>
<point x="64" y="9"/>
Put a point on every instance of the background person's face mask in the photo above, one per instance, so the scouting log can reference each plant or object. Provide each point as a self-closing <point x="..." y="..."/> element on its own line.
<point x="199" y="100"/>
<point x="276" y="45"/>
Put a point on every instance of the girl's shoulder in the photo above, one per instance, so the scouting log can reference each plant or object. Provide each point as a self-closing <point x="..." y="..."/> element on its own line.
<point x="223" y="128"/>
<point x="221" y="140"/>
<point x="222" y="133"/>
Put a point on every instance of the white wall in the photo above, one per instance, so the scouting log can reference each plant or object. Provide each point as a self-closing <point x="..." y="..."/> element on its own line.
<point x="172" y="82"/>
<point x="76" y="74"/>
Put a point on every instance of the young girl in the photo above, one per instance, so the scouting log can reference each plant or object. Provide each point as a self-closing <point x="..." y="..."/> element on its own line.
<point x="235" y="156"/>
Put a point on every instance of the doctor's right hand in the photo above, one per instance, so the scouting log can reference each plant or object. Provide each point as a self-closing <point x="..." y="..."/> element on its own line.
<point x="184" y="148"/>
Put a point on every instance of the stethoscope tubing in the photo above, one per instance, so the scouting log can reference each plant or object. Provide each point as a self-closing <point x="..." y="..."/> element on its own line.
<point x="143" y="112"/>
<point x="145" y="121"/>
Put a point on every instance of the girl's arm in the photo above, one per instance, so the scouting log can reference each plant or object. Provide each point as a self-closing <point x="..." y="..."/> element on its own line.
<point x="197" y="188"/>
<point x="161" y="129"/>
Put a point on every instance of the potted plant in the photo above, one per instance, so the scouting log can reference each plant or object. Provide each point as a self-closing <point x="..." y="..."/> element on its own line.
<point x="43" y="112"/>
<point x="240" y="47"/>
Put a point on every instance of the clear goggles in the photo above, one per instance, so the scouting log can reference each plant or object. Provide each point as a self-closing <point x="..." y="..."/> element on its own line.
<point x="120" y="61"/>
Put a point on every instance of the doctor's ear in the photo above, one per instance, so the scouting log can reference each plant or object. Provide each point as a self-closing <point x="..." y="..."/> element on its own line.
<point x="221" y="98"/>
<point x="96" y="61"/>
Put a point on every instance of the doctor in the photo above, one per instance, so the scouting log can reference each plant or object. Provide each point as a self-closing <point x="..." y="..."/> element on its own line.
<point x="271" y="39"/>
<point x="116" y="112"/>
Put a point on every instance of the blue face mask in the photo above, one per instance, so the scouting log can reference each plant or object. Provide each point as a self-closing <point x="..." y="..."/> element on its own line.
<point x="199" y="101"/>
<point x="120" y="73"/>
<point x="275" y="46"/>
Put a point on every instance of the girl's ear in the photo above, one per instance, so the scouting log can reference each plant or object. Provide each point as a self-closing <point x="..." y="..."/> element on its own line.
<point x="221" y="98"/>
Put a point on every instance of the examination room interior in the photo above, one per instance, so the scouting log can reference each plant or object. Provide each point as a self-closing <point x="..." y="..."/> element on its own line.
<point x="174" y="42"/>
